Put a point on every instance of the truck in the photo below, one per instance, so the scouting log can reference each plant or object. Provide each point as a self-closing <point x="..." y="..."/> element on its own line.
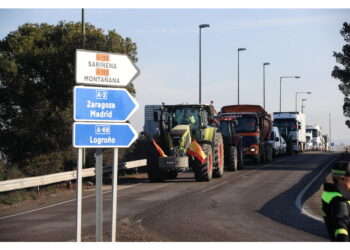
<point x="233" y="148"/>
<point x="317" y="133"/>
<point x="187" y="139"/>
<point x="293" y="127"/>
<point x="254" y="126"/>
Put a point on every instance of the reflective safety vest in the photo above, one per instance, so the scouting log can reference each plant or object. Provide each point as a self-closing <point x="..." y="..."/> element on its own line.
<point x="336" y="213"/>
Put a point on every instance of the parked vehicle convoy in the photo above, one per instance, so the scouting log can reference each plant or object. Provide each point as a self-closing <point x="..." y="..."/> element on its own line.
<point x="277" y="142"/>
<point x="317" y="138"/>
<point x="232" y="142"/>
<point x="187" y="138"/>
<point x="254" y="126"/>
<point x="294" y="129"/>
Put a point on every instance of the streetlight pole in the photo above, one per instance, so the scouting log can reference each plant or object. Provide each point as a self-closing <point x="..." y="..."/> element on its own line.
<point x="200" y="60"/>
<point x="296" y="99"/>
<point x="281" y="77"/>
<point x="264" y="64"/>
<point x="239" y="49"/>
<point x="302" y="105"/>
<point x="83" y="26"/>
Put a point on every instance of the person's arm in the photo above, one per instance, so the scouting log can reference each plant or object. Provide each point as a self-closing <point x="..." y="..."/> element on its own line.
<point x="340" y="219"/>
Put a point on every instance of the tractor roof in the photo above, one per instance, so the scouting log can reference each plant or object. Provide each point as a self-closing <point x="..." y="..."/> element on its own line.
<point x="208" y="106"/>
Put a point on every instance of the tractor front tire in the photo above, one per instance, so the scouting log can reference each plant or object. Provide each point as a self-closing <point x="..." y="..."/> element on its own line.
<point x="204" y="172"/>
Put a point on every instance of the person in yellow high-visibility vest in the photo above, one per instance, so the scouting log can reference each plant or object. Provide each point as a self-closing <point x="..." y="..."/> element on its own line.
<point x="336" y="202"/>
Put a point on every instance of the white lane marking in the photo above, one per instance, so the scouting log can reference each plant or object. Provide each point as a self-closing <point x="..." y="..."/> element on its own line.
<point x="301" y="194"/>
<point x="130" y="186"/>
<point x="64" y="202"/>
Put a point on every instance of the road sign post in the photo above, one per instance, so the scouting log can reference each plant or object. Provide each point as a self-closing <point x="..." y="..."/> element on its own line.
<point x="99" y="195"/>
<point x="79" y="191"/>
<point x="114" y="195"/>
<point x="100" y="114"/>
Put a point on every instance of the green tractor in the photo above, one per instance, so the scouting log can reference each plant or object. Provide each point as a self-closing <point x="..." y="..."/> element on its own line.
<point x="187" y="139"/>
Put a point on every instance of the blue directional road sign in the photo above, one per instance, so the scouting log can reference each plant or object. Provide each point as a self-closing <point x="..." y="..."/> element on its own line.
<point x="103" y="135"/>
<point x="103" y="104"/>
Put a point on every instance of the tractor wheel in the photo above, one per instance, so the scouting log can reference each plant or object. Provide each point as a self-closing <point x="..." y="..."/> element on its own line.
<point x="153" y="171"/>
<point x="218" y="170"/>
<point x="240" y="158"/>
<point x="204" y="172"/>
<point x="231" y="158"/>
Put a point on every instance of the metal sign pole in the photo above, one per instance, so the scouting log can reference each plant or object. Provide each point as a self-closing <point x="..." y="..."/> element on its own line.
<point x="99" y="198"/>
<point x="79" y="192"/>
<point x="114" y="194"/>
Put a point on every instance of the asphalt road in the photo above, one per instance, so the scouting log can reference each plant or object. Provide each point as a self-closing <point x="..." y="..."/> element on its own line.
<point x="254" y="204"/>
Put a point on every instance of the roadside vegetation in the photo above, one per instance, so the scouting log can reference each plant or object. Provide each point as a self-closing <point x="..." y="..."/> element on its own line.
<point x="37" y="76"/>
<point x="343" y="72"/>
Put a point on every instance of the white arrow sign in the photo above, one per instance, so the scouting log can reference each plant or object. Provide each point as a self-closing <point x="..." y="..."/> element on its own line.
<point x="101" y="68"/>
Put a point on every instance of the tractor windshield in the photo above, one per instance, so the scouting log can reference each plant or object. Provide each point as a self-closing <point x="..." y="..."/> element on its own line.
<point x="184" y="116"/>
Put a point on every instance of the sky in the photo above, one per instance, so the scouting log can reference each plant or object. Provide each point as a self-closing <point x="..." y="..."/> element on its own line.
<point x="296" y="41"/>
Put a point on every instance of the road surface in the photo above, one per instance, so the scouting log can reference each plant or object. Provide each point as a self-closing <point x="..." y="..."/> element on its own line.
<point x="254" y="204"/>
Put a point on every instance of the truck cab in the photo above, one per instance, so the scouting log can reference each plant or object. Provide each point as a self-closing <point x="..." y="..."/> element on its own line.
<point x="293" y="123"/>
<point x="254" y="126"/>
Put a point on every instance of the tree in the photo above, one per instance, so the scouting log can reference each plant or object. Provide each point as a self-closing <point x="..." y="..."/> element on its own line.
<point x="343" y="74"/>
<point x="36" y="81"/>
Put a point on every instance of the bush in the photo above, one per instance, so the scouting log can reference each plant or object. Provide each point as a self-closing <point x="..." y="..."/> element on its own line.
<point x="13" y="173"/>
<point x="44" y="164"/>
<point x="12" y="198"/>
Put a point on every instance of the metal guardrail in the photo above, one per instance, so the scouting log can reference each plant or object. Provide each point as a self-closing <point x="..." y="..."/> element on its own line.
<point x="37" y="181"/>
